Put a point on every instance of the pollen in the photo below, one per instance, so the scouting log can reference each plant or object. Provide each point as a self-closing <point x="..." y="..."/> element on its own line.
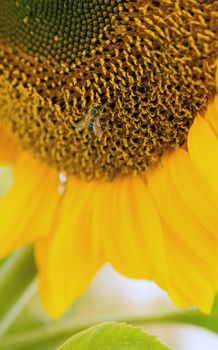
<point x="102" y="88"/>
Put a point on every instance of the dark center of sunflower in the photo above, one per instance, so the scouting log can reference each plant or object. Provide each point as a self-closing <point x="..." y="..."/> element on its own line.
<point x="102" y="87"/>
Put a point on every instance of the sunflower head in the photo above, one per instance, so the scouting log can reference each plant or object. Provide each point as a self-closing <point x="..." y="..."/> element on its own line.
<point x="98" y="89"/>
<point x="145" y="67"/>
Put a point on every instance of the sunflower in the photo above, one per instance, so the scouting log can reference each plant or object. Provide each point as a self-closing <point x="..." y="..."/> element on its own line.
<point x="109" y="118"/>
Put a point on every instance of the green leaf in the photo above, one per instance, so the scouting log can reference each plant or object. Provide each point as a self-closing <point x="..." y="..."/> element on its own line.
<point x="112" y="336"/>
<point x="17" y="285"/>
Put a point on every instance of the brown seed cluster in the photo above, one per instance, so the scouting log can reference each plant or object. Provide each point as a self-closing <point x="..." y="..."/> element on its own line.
<point x="145" y="67"/>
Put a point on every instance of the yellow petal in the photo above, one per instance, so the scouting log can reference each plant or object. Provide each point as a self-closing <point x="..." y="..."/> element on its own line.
<point x="217" y="75"/>
<point x="193" y="190"/>
<point x="191" y="247"/>
<point x="211" y="114"/>
<point x="70" y="257"/>
<point x="133" y="240"/>
<point x="9" y="149"/>
<point x="191" y="278"/>
<point x="176" y="214"/>
<point x="27" y="209"/>
<point x="203" y="149"/>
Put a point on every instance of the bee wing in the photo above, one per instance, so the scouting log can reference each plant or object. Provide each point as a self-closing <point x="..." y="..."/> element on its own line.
<point x="97" y="128"/>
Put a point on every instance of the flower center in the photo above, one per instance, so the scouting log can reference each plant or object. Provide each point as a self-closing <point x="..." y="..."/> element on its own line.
<point x="99" y="88"/>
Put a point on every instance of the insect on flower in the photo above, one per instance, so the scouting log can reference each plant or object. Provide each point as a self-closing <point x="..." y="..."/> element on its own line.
<point x="152" y="145"/>
<point x="91" y="122"/>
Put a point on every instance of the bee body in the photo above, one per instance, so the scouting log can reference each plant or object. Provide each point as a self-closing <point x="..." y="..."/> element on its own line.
<point x="91" y="122"/>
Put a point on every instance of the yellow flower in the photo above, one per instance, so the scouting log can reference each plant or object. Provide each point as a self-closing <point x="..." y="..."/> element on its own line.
<point x="108" y="115"/>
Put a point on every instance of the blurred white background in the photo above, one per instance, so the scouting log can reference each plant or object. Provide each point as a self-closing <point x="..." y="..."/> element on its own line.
<point x="112" y="294"/>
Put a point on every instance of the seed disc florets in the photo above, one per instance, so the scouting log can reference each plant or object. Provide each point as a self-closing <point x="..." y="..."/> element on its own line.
<point x="146" y="67"/>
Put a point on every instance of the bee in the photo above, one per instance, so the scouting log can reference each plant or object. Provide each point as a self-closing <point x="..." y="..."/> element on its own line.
<point x="91" y="122"/>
